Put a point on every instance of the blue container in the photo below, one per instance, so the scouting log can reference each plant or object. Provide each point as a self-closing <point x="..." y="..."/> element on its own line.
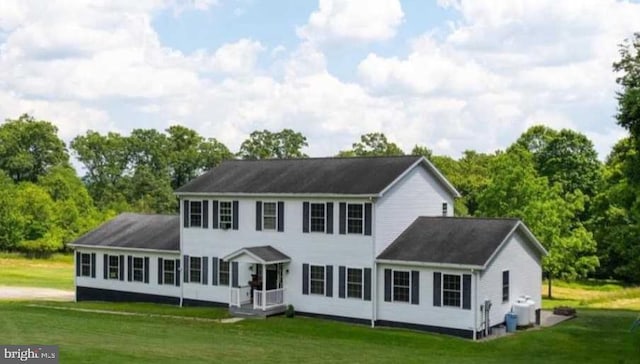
<point x="512" y="320"/>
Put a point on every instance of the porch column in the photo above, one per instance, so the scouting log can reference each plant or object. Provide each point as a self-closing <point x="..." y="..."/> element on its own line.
<point x="230" y="285"/>
<point x="264" y="286"/>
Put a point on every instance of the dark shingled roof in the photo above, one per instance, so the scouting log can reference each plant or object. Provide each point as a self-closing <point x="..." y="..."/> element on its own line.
<point x="267" y="253"/>
<point x="136" y="231"/>
<point x="369" y="175"/>
<point x="452" y="240"/>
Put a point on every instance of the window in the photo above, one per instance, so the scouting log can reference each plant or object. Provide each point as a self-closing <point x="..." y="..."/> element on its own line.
<point x="114" y="267"/>
<point x="505" y="286"/>
<point x="195" y="214"/>
<point x="355" y="217"/>
<point x="85" y="265"/>
<point x="169" y="271"/>
<point x="401" y="284"/>
<point x="223" y="273"/>
<point x="316" y="278"/>
<point x="269" y="215"/>
<point x="138" y="269"/>
<point x="226" y="215"/>
<point x="451" y="290"/>
<point x="317" y="217"/>
<point x="354" y="283"/>
<point x="445" y="207"/>
<point x="195" y="266"/>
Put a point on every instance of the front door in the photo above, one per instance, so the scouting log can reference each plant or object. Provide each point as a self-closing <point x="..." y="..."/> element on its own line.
<point x="272" y="279"/>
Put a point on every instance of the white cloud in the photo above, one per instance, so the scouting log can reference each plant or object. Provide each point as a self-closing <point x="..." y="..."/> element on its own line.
<point x="355" y="20"/>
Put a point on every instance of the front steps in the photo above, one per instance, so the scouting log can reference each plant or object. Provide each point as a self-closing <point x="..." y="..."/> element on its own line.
<point x="247" y="311"/>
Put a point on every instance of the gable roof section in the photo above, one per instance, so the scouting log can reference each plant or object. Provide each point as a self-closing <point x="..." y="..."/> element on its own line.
<point x="367" y="176"/>
<point x="454" y="241"/>
<point x="135" y="231"/>
<point x="263" y="254"/>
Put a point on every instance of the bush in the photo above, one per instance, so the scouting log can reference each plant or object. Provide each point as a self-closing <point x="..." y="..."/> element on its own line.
<point x="290" y="312"/>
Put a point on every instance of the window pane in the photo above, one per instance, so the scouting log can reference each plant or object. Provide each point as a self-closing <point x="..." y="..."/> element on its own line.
<point x="138" y="271"/>
<point x="195" y="214"/>
<point x="114" y="267"/>
<point x="269" y="216"/>
<point x="194" y="269"/>
<point x="225" y="215"/>
<point x="354" y="218"/>
<point x="85" y="265"/>
<point x="317" y="279"/>
<point x="354" y="283"/>
<point x="401" y="286"/>
<point x="224" y="273"/>
<point x="451" y="290"/>
<point x="317" y="215"/>
<point x="169" y="272"/>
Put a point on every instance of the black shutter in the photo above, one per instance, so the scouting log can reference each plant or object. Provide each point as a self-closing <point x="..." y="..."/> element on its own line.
<point x="93" y="265"/>
<point x="367" y="284"/>
<point x="305" y="278"/>
<point x="205" y="270"/>
<point x="186" y="269"/>
<point x="78" y="263"/>
<point x="328" y="284"/>
<point x="466" y="291"/>
<point x="367" y="219"/>
<point x="105" y="265"/>
<point x="342" y="216"/>
<point x="280" y="215"/>
<point x="214" y="214"/>
<point x="177" y="274"/>
<point x="185" y="213"/>
<point x="160" y="270"/>
<point x="341" y="281"/>
<point x="121" y="267"/>
<point x="235" y="215"/>
<point x="437" y="286"/>
<point x="415" y="287"/>
<point x="129" y="267"/>
<point x="305" y="217"/>
<point x="146" y="269"/>
<point x="258" y="215"/>
<point x="387" y="285"/>
<point x="205" y="214"/>
<point x="329" y="208"/>
<point x="234" y="272"/>
<point x="214" y="271"/>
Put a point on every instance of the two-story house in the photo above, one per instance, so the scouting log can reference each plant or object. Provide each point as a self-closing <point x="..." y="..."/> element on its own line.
<point x="370" y="240"/>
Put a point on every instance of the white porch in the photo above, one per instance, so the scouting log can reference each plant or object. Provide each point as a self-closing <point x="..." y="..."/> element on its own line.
<point x="265" y="292"/>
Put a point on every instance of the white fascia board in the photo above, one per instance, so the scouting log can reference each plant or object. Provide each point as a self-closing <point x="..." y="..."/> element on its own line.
<point x="123" y="248"/>
<point x="527" y="233"/>
<point x="430" y="168"/>
<point x="428" y="264"/>
<point x="275" y="195"/>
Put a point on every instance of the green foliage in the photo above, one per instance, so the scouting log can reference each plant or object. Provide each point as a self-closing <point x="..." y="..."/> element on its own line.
<point x="628" y="68"/>
<point x="422" y="150"/>
<point x="267" y="145"/>
<point x="516" y="190"/>
<point x="373" y="145"/>
<point x="29" y="148"/>
<point x="290" y="312"/>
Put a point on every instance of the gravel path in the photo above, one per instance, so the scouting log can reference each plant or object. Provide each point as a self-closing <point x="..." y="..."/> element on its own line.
<point x="35" y="293"/>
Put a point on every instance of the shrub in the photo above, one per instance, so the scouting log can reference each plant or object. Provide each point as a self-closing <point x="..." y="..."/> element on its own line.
<point x="290" y="312"/>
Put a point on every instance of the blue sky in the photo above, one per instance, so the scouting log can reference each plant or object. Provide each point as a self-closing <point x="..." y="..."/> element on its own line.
<point x="448" y="74"/>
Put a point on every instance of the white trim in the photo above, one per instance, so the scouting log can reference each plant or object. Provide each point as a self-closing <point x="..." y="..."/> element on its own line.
<point x="233" y="255"/>
<point x="364" y="218"/>
<point x="428" y="264"/>
<point x="324" y="204"/>
<point x="527" y="233"/>
<point x="200" y="270"/>
<point x="324" y="280"/>
<point x="346" y="283"/>
<point x="230" y="227"/>
<point x="430" y="168"/>
<point x="90" y="264"/>
<point x="81" y="246"/>
<point x="133" y="269"/>
<point x="213" y="195"/>
<point x="109" y="265"/>
<point x="442" y="290"/>
<point x="173" y="271"/>
<point x="275" y="226"/>
<point x="201" y="214"/>
<point x="393" y="284"/>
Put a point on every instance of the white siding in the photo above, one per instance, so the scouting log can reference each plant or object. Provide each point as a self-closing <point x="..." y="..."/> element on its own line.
<point x="417" y="194"/>
<point x="424" y="313"/>
<point x="138" y="287"/>
<point x="313" y="248"/>
<point x="525" y="277"/>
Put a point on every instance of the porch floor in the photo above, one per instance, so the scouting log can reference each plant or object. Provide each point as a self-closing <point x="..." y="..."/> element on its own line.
<point x="247" y="311"/>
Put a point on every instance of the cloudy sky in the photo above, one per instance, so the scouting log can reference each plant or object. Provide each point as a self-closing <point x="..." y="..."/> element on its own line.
<point x="448" y="74"/>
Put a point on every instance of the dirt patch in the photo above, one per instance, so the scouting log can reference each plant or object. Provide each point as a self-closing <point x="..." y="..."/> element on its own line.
<point x="34" y="293"/>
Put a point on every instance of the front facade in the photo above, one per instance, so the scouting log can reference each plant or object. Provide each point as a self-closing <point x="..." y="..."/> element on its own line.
<point x="322" y="235"/>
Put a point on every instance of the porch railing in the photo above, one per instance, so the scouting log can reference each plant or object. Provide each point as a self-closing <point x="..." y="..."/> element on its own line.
<point x="264" y="300"/>
<point x="239" y="296"/>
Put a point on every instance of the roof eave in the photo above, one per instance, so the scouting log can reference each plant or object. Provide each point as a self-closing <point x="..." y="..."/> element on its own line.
<point x="504" y="241"/>
<point x="439" y="177"/>
<point x="276" y="194"/>
<point x="84" y="246"/>
<point x="429" y="264"/>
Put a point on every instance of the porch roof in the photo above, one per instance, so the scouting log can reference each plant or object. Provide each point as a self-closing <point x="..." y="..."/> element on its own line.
<point x="261" y="254"/>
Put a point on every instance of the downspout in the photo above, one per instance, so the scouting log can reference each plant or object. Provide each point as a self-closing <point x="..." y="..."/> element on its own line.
<point x="374" y="272"/>
<point x="181" y="256"/>
<point x="75" y="279"/>
<point x="475" y="305"/>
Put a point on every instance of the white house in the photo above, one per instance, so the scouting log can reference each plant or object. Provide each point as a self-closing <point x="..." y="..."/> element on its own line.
<point x="370" y="240"/>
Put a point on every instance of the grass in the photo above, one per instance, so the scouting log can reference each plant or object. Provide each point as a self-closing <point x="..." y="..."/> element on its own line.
<point x="56" y="272"/>
<point x="592" y="294"/>
<point x="595" y="336"/>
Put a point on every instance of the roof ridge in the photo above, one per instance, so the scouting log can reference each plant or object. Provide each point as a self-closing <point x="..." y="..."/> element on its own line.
<point x="320" y="158"/>
<point x="472" y="218"/>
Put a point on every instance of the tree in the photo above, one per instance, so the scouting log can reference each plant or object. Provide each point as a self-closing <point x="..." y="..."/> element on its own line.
<point x="372" y="145"/>
<point x="628" y="66"/>
<point x="10" y="219"/>
<point x="29" y="148"/>
<point x="515" y="190"/>
<point x="422" y="150"/>
<point x="264" y="144"/>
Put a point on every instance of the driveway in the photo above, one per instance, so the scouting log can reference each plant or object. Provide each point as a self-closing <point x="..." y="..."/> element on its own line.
<point x="35" y="293"/>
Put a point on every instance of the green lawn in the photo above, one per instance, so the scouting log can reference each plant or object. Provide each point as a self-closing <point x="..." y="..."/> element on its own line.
<point x="592" y="294"/>
<point x="142" y="308"/>
<point x="56" y="272"/>
<point x="595" y="336"/>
